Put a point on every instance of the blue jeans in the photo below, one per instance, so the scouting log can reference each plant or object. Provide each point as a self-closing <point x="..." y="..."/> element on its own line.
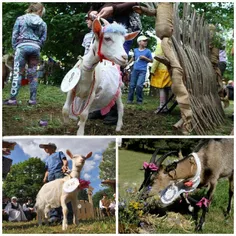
<point x="136" y="82"/>
<point x="25" y="55"/>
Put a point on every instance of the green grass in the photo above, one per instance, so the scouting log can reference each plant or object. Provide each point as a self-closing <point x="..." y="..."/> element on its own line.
<point x="138" y="119"/>
<point x="130" y="176"/>
<point x="106" y="226"/>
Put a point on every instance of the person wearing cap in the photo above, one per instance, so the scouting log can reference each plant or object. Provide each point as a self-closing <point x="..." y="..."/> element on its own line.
<point x="89" y="36"/>
<point x="56" y="166"/>
<point x="56" y="163"/>
<point x="142" y="56"/>
<point x="15" y="211"/>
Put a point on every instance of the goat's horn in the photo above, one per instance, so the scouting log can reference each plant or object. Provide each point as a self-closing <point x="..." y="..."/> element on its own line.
<point x="162" y="158"/>
<point x="154" y="155"/>
<point x="105" y="21"/>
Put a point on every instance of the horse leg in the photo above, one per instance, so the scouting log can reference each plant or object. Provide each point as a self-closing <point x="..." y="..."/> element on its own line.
<point x="66" y="107"/>
<point x="231" y="192"/>
<point x="84" y="115"/>
<point x="120" y="108"/>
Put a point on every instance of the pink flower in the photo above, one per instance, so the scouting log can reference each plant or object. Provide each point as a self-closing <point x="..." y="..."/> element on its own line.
<point x="83" y="184"/>
<point x="150" y="166"/>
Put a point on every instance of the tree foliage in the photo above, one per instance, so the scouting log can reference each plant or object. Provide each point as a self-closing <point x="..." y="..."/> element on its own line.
<point x="108" y="164"/>
<point x="149" y="145"/>
<point x="25" y="179"/>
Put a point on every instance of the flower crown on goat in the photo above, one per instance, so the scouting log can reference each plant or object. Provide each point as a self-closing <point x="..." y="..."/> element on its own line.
<point x="115" y="28"/>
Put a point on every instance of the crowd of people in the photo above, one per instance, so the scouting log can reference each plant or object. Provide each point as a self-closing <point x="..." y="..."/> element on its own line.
<point x="13" y="211"/>
<point x="29" y="35"/>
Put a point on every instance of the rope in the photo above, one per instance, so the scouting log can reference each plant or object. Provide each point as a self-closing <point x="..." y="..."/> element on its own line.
<point x="74" y="95"/>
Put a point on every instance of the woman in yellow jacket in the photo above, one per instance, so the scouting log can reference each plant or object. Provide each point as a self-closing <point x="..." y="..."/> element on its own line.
<point x="160" y="78"/>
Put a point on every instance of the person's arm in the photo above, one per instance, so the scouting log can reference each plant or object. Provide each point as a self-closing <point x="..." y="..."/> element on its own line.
<point x="100" y="205"/>
<point x="44" y="35"/>
<point x="123" y="8"/>
<point x="147" y="58"/>
<point x="15" y="33"/>
<point x="45" y="176"/>
<point x="116" y="9"/>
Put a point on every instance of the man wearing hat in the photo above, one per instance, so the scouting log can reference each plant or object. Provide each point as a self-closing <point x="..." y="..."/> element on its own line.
<point x="56" y="163"/>
<point x="142" y="56"/>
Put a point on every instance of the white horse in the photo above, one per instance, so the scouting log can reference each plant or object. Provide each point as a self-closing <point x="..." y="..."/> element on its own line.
<point x="108" y="45"/>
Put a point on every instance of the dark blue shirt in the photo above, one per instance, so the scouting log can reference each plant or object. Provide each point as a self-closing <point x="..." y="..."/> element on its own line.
<point x="140" y="64"/>
<point x="54" y="162"/>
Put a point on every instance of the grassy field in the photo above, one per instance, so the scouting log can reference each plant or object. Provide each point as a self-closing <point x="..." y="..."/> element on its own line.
<point x="138" y="119"/>
<point x="131" y="177"/>
<point x="107" y="226"/>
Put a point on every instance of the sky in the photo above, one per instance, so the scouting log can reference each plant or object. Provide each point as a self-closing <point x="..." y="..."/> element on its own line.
<point x="29" y="147"/>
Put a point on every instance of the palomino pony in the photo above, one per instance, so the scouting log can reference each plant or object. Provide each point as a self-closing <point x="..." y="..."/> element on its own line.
<point x="107" y="45"/>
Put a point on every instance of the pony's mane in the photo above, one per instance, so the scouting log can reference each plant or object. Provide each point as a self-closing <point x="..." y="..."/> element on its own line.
<point x="115" y="28"/>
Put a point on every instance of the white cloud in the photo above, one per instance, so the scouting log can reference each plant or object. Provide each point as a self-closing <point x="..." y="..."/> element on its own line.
<point x="87" y="176"/>
<point x="89" y="165"/>
<point x="30" y="146"/>
<point x="97" y="157"/>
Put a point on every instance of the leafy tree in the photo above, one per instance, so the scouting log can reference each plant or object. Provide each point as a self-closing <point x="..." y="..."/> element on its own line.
<point x="149" y="145"/>
<point x="25" y="179"/>
<point x="108" y="164"/>
<point x="98" y="196"/>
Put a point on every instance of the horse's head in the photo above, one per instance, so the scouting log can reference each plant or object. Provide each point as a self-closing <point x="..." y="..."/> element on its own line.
<point x="109" y="41"/>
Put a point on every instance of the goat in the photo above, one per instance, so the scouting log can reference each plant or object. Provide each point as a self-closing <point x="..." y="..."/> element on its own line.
<point x="108" y="44"/>
<point x="212" y="158"/>
<point x="52" y="195"/>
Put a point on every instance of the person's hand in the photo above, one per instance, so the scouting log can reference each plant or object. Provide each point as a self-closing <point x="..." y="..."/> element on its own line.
<point x="142" y="57"/>
<point x="106" y="12"/>
<point x="44" y="179"/>
<point x="64" y="168"/>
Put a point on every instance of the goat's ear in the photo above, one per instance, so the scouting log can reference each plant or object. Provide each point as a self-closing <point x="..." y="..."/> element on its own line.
<point x="131" y="36"/>
<point x="89" y="155"/>
<point x="97" y="27"/>
<point x="68" y="152"/>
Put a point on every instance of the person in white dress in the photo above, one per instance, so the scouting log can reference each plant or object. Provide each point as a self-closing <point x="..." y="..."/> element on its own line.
<point x="15" y="211"/>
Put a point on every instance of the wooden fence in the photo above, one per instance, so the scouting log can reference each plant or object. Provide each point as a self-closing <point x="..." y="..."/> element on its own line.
<point x="191" y="43"/>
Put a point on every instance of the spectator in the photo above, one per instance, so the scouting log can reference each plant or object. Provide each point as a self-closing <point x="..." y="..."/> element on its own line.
<point x="160" y="78"/>
<point x="142" y="56"/>
<point x="104" y="204"/>
<point x="56" y="166"/>
<point x="29" y="210"/>
<point x="222" y="58"/>
<point x="89" y="36"/>
<point x="15" y="211"/>
<point x="230" y="90"/>
<point x="28" y="37"/>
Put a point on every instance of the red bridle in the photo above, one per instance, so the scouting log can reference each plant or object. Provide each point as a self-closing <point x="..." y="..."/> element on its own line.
<point x="100" y="54"/>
